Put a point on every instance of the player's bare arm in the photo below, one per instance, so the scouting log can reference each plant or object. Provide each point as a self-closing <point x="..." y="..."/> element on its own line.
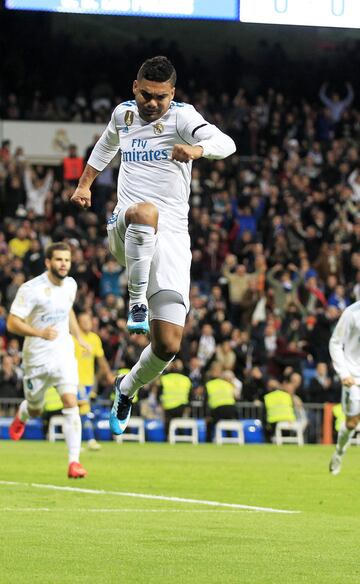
<point x="76" y="331"/>
<point x="18" y="326"/>
<point x="185" y="152"/>
<point x="82" y="194"/>
<point x="105" y="371"/>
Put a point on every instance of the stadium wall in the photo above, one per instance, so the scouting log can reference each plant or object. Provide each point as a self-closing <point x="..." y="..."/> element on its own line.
<point x="48" y="142"/>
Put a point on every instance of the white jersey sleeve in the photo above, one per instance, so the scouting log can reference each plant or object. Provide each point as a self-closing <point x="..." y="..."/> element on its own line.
<point x="24" y="302"/>
<point x="196" y="131"/>
<point x="341" y="336"/>
<point x="106" y="147"/>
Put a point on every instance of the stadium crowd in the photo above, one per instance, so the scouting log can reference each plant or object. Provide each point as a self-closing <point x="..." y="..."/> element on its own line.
<point x="275" y="233"/>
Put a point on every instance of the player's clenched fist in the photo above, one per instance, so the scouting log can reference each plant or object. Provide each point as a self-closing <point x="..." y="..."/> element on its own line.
<point x="49" y="333"/>
<point x="81" y="198"/>
<point x="185" y="152"/>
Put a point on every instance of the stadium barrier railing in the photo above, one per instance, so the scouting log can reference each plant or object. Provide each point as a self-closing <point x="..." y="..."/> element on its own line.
<point x="317" y="432"/>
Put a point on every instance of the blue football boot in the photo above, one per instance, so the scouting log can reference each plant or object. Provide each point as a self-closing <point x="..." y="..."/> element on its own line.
<point x="121" y="410"/>
<point x="138" y="320"/>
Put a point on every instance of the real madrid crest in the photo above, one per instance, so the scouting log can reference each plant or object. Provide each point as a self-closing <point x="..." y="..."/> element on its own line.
<point x="129" y="118"/>
<point x="158" y="128"/>
<point x="47" y="291"/>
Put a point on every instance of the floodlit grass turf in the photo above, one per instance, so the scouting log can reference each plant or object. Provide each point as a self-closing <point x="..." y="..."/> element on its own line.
<point x="56" y="537"/>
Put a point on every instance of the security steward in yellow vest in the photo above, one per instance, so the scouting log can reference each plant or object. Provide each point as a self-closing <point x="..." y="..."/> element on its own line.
<point x="53" y="406"/>
<point x="279" y="407"/>
<point x="220" y="399"/>
<point x="174" y="392"/>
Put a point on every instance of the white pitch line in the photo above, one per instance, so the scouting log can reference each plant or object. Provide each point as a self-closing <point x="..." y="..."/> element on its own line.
<point x="24" y="509"/>
<point x="152" y="497"/>
<point x="133" y="510"/>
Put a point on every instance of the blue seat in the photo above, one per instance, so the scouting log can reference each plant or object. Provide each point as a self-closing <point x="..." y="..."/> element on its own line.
<point x="154" y="431"/>
<point x="102" y="428"/>
<point x="253" y="431"/>
<point x="4" y="428"/>
<point x="202" y="430"/>
<point x="34" y="430"/>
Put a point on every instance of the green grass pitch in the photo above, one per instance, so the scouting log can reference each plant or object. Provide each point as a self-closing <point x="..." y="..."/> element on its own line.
<point x="55" y="536"/>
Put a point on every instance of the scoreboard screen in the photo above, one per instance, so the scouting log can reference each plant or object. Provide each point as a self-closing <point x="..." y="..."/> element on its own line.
<point x="330" y="13"/>
<point x="207" y="9"/>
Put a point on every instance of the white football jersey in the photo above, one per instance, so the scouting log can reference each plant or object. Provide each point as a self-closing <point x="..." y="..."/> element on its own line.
<point x="41" y="304"/>
<point x="345" y="343"/>
<point x="147" y="172"/>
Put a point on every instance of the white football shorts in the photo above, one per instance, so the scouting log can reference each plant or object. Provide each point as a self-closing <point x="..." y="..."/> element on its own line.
<point x="38" y="379"/>
<point x="350" y="400"/>
<point x="169" y="271"/>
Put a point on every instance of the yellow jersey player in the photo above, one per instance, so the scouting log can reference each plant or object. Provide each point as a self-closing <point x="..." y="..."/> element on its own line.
<point x="87" y="361"/>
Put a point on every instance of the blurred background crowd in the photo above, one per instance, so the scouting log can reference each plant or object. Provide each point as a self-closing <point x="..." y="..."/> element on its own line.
<point x="275" y="229"/>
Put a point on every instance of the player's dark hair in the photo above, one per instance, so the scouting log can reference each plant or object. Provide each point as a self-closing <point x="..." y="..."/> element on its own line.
<point x="58" y="246"/>
<point x="157" y="69"/>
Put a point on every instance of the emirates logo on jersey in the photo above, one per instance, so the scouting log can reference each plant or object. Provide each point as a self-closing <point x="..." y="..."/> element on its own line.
<point x="158" y="128"/>
<point x="129" y="118"/>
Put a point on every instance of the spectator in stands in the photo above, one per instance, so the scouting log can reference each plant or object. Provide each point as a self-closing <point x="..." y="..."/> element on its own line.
<point x="19" y="244"/>
<point x="207" y="345"/>
<point x="254" y="385"/>
<point x="73" y="166"/>
<point x="34" y="259"/>
<point x="37" y="190"/>
<point x="285" y="288"/>
<point x="323" y="388"/>
<point x="336" y="105"/>
<point x="226" y="355"/>
<point x="238" y="282"/>
<point x="339" y="298"/>
<point x="10" y="382"/>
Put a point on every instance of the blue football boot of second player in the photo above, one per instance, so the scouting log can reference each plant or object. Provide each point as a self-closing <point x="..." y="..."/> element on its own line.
<point x="138" y="320"/>
<point x="121" y="409"/>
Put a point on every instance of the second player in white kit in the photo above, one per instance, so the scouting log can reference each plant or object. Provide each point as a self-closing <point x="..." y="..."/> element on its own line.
<point x="345" y="350"/>
<point x="42" y="312"/>
<point x="148" y="232"/>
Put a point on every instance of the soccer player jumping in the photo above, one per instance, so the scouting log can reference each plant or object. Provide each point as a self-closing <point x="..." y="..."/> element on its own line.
<point x="148" y="231"/>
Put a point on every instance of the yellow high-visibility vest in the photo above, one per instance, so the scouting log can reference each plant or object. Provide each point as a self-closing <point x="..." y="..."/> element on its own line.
<point x="176" y="388"/>
<point x="220" y="393"/>
<point x="339" y="416"/>
<point x="279" y="407"/>
<point x="52" y="400"/>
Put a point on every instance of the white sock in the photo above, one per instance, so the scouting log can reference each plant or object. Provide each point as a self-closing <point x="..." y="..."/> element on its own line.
<point x="72" y="432"/>
<point x="145" y="370"/>
<point x="344" y="437"/>
<point x="139" y="250"/>
<point x="23" y="412"/>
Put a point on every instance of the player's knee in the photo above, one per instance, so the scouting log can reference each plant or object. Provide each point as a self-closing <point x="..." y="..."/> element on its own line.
<point x="351" y="423"/>
<point x="166" y="349"/>
<point x="34" y="413"/>
<point x="142" y="213"/>
<point x="69" y="400"/>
